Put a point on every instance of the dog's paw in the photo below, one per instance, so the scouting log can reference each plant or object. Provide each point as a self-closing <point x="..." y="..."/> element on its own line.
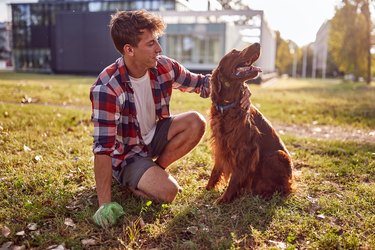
<point x="218" y="201"/>
<point x="210" y="187"/>
<point x="222" y="199"/>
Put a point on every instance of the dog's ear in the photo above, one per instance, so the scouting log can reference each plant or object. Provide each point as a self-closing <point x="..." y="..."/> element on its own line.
<point x="218" y="84"/>
<point x="216" y="79"/>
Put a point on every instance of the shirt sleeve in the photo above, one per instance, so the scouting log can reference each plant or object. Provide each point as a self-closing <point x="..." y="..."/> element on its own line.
<point x="105" y="113"/>
<point x="187" y="81"/>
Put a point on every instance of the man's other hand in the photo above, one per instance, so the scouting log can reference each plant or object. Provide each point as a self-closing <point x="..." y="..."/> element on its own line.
<point x="108" y="214"/>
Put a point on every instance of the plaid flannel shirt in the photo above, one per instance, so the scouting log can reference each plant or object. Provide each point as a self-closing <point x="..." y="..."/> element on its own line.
<point x="116" y="129"/>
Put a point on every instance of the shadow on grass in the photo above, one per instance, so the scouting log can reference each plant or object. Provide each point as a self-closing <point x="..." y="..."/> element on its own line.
<point x="203" y="225"/>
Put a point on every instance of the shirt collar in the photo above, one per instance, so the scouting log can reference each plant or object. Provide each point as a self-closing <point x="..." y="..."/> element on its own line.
<point x="124" y="75"/>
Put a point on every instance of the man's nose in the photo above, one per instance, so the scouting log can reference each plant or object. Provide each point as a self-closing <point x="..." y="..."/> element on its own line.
<point x="158" y="47"/>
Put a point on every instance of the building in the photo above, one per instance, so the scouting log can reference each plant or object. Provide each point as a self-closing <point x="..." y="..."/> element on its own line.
<point x="5" y="48"/>
<point x="320" y="54"/>
<point x="73" y="37"/>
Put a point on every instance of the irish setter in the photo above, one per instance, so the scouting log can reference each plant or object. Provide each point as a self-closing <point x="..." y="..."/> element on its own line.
<point x="247" y="150"/>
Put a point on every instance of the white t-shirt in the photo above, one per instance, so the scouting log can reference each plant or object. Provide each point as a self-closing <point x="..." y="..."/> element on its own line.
<point x="145" y="106"/>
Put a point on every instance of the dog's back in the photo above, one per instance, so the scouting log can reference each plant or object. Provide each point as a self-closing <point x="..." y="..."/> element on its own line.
<point x="274" y="172"/>
<point x="270" y="141"/>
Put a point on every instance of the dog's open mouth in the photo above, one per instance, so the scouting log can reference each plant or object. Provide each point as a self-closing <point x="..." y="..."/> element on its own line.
<point x="247" y="69"/>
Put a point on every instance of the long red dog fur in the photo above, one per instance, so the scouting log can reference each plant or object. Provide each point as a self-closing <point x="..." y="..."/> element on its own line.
<point x="247" y="150"/>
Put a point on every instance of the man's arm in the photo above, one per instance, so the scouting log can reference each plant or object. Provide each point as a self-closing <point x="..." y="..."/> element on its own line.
<point x="103" y="178"/>
<point x="185" y="80"/>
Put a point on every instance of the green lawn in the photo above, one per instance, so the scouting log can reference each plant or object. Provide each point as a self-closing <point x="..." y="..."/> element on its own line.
<point x="46" y="175"/>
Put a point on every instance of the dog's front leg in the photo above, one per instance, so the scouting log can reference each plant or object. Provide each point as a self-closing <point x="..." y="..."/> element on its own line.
<point x="215" y="177"/>
<point x="233" y="190"/>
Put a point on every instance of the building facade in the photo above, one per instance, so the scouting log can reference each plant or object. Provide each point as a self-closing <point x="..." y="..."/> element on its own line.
<point x="5" y="45"/>
<point x="73" y="36"/>
<point x="320" y="48"/>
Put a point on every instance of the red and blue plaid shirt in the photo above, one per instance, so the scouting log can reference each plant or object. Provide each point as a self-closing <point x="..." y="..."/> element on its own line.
<point x="116" y="129"/>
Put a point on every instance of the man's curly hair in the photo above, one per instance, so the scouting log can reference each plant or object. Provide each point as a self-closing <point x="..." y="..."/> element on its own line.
<point x="127" y="26"/>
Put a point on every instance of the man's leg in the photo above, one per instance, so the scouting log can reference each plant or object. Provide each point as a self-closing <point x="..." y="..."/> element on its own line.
<point x="184" y="133"/>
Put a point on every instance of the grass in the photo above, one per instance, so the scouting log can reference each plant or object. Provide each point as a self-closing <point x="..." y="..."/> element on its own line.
<point x="46" y="175"/>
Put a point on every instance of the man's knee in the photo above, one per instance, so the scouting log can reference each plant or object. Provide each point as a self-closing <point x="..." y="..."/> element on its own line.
<point x="197" y="123"/>
<point x="170" y="194"/>
<point x="158" y="185"/>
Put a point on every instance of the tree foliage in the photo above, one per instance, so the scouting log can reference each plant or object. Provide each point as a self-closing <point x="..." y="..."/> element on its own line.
<point x="348" y="37"/>
<point x="284" y="59"/>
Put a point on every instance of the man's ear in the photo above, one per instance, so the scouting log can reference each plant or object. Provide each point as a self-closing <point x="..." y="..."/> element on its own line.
<point x="128" y="49"/>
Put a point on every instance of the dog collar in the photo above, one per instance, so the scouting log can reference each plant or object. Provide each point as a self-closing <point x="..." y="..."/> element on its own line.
<point x="222" y="108"/>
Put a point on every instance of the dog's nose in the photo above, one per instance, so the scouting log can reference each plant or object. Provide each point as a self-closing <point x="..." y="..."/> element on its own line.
<point x="256" y="44"/>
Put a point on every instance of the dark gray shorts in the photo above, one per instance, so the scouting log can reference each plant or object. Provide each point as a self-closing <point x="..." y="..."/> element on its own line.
<point x="130" y="174"/>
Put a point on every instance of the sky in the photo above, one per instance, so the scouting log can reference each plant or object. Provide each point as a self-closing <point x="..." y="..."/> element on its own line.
<point x="297" y="20"/>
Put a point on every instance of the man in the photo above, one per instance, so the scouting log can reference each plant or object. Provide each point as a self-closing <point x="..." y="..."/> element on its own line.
<point x="135" y="137"/>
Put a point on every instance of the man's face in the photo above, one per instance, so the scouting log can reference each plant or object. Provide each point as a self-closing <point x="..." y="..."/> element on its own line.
<point x="147" y="51"/>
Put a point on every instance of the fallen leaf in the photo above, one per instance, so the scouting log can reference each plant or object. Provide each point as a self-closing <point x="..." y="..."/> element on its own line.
<point x="192" y="229"/>
<point x="88" y="242"/>
<point x="5" y="231"/>
<point x="312" y="199"/>
<point x="20" y="233"/>
<point x="56" y="247"/>
<point x="233" y="217"/>
<point x="6" y="245"/>
<point x="278" y="244"/>
<point x="26" y="148"/>
<point x="321" y="216"/>
<point x="69" y="222"/>
<point x="32" y="226"/>
<point x="37" y="158"/>
<point x="23" y="247"/>
<point x="26" y="100"/>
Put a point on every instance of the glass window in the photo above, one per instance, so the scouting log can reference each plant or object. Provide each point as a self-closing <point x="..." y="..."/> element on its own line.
<point x="214" y="49"/>
<point x="187" y="48"/>
<point x="95" y="6"/>
<point x="115" y="6"/>
<point x="36" y="14"/>
<point x="155" y="5"/>
<point x="169" y="4"/>
<point x="147" y="5"/>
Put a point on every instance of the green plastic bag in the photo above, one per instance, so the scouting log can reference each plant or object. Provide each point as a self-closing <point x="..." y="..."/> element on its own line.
<point x="108" y="214"/>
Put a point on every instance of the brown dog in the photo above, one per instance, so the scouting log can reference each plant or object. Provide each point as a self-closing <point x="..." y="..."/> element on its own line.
<point x="246" y="147"/>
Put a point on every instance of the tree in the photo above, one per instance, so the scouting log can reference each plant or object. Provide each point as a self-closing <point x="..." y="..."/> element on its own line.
<point x="348" y="39"/>
<point x="365" y="10"/>
<point x="284" y="59"/>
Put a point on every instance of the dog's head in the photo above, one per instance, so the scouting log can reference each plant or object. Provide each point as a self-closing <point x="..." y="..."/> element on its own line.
<point x="238" y="65"/>
<point x="234" y="68"/>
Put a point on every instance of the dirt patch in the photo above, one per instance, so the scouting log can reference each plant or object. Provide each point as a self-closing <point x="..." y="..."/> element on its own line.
<point x="327" y="132"/>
